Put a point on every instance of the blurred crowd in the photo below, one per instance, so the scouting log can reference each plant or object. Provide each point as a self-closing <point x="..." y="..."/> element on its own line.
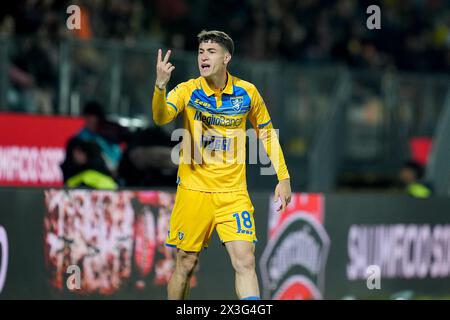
<point x="414" y="35"/>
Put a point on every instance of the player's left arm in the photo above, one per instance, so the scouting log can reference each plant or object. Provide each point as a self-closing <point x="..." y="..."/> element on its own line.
<point x="260" y="119"/>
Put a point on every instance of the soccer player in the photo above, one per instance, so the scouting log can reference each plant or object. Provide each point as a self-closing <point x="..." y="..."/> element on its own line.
<point x="213" y="194"/>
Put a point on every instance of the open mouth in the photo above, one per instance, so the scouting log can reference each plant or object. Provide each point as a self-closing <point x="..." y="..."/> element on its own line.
<point x="205" y="67"/>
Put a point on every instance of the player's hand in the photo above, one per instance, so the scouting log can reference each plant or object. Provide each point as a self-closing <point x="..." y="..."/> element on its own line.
<point x="163" y="69"/>
<point x="283" y="192"/>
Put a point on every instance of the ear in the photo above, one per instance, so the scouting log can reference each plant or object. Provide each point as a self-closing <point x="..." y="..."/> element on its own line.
<point x="227" y="58"/>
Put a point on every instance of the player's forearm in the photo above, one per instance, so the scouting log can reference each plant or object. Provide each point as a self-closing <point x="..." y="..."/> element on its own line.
<point x="162" y="112"/>
<point x="272" y="145"/>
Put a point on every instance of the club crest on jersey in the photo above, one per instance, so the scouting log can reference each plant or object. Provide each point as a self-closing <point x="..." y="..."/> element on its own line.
<point x="237" y="102"/>
<point x="180" y="235"/>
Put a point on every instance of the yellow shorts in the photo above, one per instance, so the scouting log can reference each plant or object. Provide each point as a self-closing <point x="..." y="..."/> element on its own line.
<point x="196" y="214"/>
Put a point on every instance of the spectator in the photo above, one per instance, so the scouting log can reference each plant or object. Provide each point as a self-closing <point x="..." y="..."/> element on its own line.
<point x="107" y="135"/>
<point x="30" y="79"/>
<point x="411" y="177"/>
<point x="85" y="167"/>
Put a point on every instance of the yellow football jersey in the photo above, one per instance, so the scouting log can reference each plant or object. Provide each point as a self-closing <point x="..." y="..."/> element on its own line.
<point x="213" y="151"/>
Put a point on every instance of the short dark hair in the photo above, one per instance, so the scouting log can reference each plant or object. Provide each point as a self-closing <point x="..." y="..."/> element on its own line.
<point x="94" y="108"/>
<point x="218" y="37"/>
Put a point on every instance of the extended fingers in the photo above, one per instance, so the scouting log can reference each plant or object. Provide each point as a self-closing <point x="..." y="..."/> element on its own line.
<point x="167" y="56"/>
<point x="159" y="56"/>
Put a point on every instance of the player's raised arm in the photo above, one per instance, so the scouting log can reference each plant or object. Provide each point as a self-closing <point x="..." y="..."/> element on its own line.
<point x="163" y="111"/>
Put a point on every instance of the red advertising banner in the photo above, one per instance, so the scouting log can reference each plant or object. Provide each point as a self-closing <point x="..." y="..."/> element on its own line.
<point x="32" y="147"/>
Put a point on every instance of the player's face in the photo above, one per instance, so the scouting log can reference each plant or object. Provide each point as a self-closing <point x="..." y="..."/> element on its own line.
<point x="212" y="59"/>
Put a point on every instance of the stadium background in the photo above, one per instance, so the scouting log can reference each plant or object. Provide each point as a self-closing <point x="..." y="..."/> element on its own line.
<point x="352" y="105"/>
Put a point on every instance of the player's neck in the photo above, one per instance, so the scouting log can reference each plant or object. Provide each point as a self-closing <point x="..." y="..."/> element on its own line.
<point x="217" y="82"/>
